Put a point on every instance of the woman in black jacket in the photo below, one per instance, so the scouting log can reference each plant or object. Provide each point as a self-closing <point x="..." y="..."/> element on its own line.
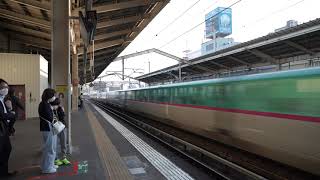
<point x="49" y="138"/>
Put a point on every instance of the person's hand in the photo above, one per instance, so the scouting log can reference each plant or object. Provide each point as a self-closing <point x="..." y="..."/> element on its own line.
<point x="9" y="104"/>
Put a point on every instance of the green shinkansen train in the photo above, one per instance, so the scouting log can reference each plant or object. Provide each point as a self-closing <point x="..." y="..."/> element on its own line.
<point x="275" y="115"/>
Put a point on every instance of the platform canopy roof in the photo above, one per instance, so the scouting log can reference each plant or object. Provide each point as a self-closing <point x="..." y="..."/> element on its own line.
<point x="273" y="49"/>
<point x="119" y="21"/>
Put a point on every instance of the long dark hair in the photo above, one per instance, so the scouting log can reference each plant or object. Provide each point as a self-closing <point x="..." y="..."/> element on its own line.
<point x="47" y="94"/>
<point x="3" y="81"/>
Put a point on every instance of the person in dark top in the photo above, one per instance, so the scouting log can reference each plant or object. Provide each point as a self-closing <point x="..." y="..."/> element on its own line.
<point x="6" y="116"/>
<point x="13" y="103"/>
<point x="62" y="136"/>
<point x="80" y="101"/>
<point x="47" y="116"/>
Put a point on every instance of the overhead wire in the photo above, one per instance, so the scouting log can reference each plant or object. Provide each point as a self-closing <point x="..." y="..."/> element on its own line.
<point x="183" y="13"/>
<point x="191" y="29"/>
<point x="210" y="6"/>
<point x="273" y="13"/>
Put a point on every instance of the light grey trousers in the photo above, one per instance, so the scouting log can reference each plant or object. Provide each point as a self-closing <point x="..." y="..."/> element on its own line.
<point x="62" y="138"/>
<point x="48" y="151"/>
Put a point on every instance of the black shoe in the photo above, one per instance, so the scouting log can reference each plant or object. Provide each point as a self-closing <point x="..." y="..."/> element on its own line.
<point x="9" y="174"/>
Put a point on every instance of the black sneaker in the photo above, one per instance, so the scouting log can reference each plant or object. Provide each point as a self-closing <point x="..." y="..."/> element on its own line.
<point x="9" y="174"/>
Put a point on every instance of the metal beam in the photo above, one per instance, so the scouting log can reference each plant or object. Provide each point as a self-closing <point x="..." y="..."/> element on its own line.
<point x="43" y="5"/>
<point x="239" y="60"/>
<point x="96" y="63"/>
<point x="152" y="13"/>
<point x="97" y="54"/>
<point x="192" y="69"/>
<point x="263" y="55"/>
<point x="115" y="22"/>
<point x="204" y="68"/>
<point x="31" y="41"/>
<point x="299" y="47"/>
<point x="103" y="45"/>
<point x="170" y="73"/>
<point x="107" y="44"/>
<point x="26" y="30"/>
<point x="218" y="64"/>
<point x="169" y="55"/>
<point x="148" y="51"/>
<point x="113" y="34"/>
<point x="117" y="6"/>
<point x="25" y="19"/>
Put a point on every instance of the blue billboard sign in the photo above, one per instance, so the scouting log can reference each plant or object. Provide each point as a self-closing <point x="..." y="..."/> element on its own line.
<point x="219" y="21"/>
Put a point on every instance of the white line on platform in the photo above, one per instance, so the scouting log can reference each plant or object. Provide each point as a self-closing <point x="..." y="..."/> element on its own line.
<point x="161" y="163"/>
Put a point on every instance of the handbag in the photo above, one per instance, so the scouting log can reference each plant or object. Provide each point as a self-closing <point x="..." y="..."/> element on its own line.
<point x="57" y="126"/>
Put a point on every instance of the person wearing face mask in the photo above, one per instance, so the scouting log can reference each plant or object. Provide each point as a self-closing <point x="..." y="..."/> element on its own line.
<point x="47" y="116"/>
<point x="6" y="116"/>
<point x="62" y="136"/>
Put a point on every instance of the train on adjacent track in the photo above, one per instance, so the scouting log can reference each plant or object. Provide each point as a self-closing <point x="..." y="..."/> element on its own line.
<point x="275" y="115"/>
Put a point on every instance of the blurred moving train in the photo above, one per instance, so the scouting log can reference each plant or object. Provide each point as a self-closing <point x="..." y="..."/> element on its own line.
<point x="275" y="115"/>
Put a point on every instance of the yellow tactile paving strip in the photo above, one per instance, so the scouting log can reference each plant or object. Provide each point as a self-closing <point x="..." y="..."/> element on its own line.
<point x="115" y="168"/>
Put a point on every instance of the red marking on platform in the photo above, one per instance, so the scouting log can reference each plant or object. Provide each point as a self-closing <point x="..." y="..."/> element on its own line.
<point x="257" y="113"/>
<point x="75" y="167"/>
<point x="28" y="167"/>
<point x="74" y="172"/>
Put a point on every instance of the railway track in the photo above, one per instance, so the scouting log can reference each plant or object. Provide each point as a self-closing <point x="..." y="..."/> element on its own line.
<point x="219" y="167"/>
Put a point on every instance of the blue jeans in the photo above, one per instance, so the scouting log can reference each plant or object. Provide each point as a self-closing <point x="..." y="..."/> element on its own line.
<point x="48" y="151"/>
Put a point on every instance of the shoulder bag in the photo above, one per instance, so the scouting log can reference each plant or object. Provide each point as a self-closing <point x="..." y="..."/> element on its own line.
<point x="57" y="126"/>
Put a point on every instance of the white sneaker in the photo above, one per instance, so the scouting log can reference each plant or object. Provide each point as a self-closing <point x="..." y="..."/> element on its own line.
<point x="55" y="166"/>
<point x="50" y="171"/>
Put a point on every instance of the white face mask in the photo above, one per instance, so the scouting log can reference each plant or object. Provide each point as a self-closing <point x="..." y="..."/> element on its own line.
<point x="55" y="107"/>
<point x="52" y="99"/>
<point x="4" y="92"/>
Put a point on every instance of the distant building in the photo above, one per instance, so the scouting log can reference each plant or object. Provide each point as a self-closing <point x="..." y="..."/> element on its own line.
<point x="218" y="23"/>
<point x="218" y="26"/>
<point x="216" y="45"/>
<point x="290" y="23"/>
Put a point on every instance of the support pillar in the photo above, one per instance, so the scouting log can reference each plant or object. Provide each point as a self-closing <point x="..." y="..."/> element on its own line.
<point x="75" y="80"/>
<point x="60" y="56"/>
<point x="122" y="69"/>
<point x="180" y="80"/>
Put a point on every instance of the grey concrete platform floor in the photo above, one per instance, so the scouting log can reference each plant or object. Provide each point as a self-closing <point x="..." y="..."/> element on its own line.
<point x="26" y="153"/>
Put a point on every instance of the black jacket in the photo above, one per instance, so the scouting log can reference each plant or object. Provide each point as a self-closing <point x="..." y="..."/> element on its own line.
<point x="3" y="120"/>
<point x="60" y="114"/>
<point x="45" y="113"/>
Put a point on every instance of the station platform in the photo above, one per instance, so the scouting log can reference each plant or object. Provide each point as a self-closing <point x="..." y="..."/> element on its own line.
<point x="102" y="149"/>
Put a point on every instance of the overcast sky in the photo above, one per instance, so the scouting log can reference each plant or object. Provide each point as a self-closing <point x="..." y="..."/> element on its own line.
<point x="250" y="19"/>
